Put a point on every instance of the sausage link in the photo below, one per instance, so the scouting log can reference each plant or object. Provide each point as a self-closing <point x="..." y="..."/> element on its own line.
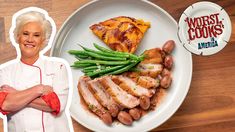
<point x="166" y="72"/>
<point x="169" y="46"/>
<point x="144" y="102"/>
<point x="124" y="118"/>
<point x="166" y="81"/>
<point x="168" y="61"/>
<point x="135" y="113"/>
<point x="106" y="118"/>
<point x="114" y="109"/>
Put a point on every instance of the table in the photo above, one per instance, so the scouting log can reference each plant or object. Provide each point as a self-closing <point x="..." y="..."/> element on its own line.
<point x="210" y="102"/>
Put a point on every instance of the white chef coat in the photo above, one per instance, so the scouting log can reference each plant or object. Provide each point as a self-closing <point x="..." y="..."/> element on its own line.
<point x="22" y="76"/>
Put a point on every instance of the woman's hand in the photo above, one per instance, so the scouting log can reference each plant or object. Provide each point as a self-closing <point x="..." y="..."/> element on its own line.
<point x="43" y="89"/>
<point x="39" y="103"/>
<point x="47" y="89"/>
<point x="7" y="89"/>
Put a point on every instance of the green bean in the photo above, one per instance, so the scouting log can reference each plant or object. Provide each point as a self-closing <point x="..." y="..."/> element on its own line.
<point x="80" y="65"/>
<point x="104" y="57"/>
<point x="101" y="72"/>
<point x="115" y="52"/>
<point x="79" y="57"/>
<point x="100" y="48"/>
<point x="87" y="73"/>
<point x="133" y="56"/>
<point x="77" y="52"/>
<point x="91" y="67"/>
<point x="123" y="69"/>
<point x="134" y="69"/>
<point x="104" y="53"/>
<point x="97" y="62"/>
<point x="141" y="57"/>
<point x="110" y="51"/>
<point x="90" y="70"/>
<point x="94" y="67"/>
<point x="104" y="61"/>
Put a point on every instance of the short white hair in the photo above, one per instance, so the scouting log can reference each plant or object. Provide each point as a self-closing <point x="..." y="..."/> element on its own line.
<point x="33" y="16"/>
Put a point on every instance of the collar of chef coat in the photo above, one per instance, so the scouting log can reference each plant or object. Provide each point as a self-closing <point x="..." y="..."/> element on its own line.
<point x="37" y="63"/>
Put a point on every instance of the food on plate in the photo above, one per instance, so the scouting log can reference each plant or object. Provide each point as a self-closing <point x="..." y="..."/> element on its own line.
<point x="103" y="61"/>
<point x="144" y="102"/>
<point x="129" y="85"/>
<point x="121" y="33"/>
<point x="119" y="95"/>
<point x="103" y="97"/>
<point x="125" y="118"/>
<point x="156" y="99"/>
<point x="153" y="56"/>
<point x="92" y="103"/>
<point x="147" y="82"/>
<point x="165" y="72"/>
<point x="168" y="46"/>
<point x="168" y="61"/>
<point x="166" y="81"/>
<point x="124" y="96"/>
<point x="135" y="113"/>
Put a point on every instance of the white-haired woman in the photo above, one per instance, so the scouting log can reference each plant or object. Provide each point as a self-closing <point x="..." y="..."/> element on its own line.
<point x="34" y="88"/>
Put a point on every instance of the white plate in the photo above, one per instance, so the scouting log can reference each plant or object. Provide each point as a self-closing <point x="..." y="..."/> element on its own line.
<point x="199" y="11"/>
<point x="163" y="27"/>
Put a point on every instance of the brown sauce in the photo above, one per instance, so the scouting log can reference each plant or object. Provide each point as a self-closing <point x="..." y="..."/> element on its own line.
<point x="155" y="101"/>
<point x="85" y="106"/>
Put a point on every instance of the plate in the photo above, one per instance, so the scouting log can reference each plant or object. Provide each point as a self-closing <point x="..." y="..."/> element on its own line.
<point x="204" y="28"/>
<point x="163" y="27"/>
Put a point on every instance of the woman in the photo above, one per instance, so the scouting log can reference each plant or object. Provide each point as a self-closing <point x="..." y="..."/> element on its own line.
<point x="34" y="88"/>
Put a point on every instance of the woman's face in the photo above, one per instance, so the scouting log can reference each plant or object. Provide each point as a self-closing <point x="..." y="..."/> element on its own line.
<point x="31" y="39"/>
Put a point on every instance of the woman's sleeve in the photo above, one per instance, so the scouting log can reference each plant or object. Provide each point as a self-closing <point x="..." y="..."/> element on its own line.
<point x="3" y="80"/>
<point x="2" y="98"/>
<point x="53" y="101"/>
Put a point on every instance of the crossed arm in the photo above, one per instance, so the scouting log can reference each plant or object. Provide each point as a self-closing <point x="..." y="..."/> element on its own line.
<point x="31" y="97"/>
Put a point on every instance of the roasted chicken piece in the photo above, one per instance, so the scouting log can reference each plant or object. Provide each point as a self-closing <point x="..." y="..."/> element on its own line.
<point x="144" y="81"/>
<point x="119" y="95"/>
<point x="91" y="101"/>
<point x="103" y="97"/>
<point x="151" y="70"/>
<point x="121" y="33"/>
<point x="131" y="87"/>
<point x="153" y="56"/>
<point x="151" y="66"/>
